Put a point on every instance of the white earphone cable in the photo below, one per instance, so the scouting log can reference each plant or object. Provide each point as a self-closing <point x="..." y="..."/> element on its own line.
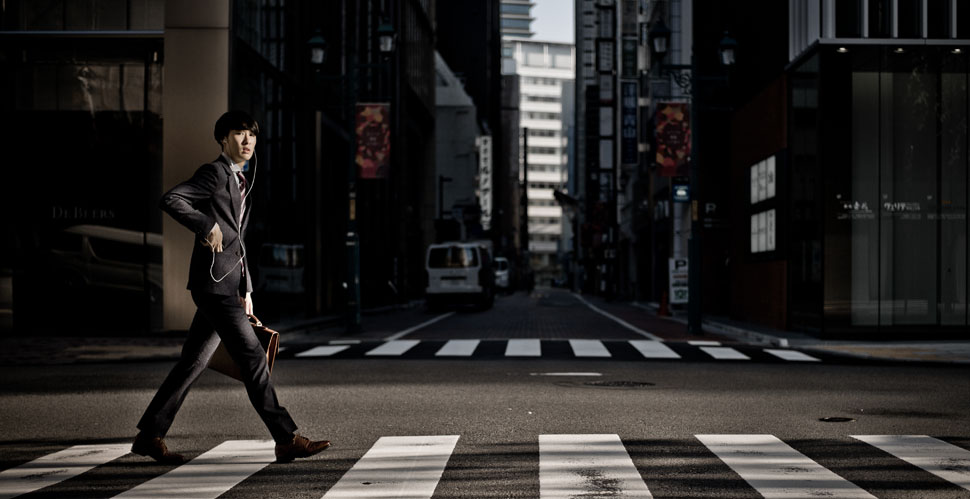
<point x="238" y="229"/>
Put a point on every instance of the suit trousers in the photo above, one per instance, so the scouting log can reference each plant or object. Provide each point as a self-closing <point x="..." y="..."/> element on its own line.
<point x="219" y="317"/>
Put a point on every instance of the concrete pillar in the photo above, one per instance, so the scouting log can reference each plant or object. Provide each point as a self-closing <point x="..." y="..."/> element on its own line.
<point x="195" y="93"/>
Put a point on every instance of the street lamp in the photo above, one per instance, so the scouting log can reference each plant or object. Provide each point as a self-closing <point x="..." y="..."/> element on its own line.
<point x="385" y="35"/>
<point x="685" y="75"/>
<point x="727" y="47"/>
<point x="318" y="50"/>
<point x="660" y="38"/>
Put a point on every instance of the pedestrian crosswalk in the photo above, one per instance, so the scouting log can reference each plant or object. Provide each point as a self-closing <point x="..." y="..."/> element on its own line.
<point x="544" y="348"/>
<point x="568" y="465"/>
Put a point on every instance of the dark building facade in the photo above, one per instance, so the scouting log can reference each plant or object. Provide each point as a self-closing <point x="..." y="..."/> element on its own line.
<point x="850" y="175"/>
<point x="469" y="38"/>
<point x="86" y="77"/>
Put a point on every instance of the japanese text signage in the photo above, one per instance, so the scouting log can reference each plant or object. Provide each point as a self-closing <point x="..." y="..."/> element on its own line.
<point x="677" y="280"/>
<point x="628" y="123"/>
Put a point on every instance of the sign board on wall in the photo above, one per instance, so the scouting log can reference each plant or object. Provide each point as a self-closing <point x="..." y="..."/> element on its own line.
<point x="629" y="144"/>
<point x="677" y="268"/>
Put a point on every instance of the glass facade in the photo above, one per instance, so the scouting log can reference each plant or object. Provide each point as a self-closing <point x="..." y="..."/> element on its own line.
<point x="892" y="150"/>
<point x="282" y="191"/>
<point x="81" y="134"/>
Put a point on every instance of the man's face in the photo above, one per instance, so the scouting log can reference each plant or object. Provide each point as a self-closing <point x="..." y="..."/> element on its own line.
<point x="239" y="145"/>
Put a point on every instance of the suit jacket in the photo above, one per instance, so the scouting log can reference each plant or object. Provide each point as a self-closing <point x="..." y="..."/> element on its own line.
<point x="211" y="196"/>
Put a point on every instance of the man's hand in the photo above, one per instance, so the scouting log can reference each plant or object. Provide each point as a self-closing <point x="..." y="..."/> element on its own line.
<point x="247" y="303"/>
<point x="213" y="241"/>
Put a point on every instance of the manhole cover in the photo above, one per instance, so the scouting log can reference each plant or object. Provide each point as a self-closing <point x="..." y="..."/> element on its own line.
<point x="836" y="419"/>
<point x="619" y="384"/>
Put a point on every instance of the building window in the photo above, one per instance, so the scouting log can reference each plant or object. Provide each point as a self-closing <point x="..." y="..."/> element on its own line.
<point x="938" y="18"/>
<point x="763" y="189"/>
<point x="516" y="23"/>
<point x="910" y="18"/>
<point x="848" y="19"/>
<point x="880" y="18"/>
<point x="515" y="9"/>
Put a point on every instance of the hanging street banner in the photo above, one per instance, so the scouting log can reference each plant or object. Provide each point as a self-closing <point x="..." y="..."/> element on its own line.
<point x="629" y="143"/>
<point x="673" y="138"/>
<point x="373" y="140"/>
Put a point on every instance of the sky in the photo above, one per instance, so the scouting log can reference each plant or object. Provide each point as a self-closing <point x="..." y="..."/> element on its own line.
<point x="553" y="20"/>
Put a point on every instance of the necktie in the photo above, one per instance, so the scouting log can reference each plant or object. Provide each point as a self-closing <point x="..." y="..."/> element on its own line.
<point x="242" y="193"/>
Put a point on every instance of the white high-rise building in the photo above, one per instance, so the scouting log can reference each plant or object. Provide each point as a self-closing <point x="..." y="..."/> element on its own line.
<point x="545" y="69"/>
<point x="517" y="18"/>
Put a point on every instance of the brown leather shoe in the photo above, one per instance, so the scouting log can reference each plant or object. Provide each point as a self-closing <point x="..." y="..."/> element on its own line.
<point x="154" y="447"/>
<point x="299" y="447"/>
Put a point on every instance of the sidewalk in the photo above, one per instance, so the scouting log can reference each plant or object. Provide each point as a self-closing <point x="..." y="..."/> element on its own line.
<point x="947" y="352"/>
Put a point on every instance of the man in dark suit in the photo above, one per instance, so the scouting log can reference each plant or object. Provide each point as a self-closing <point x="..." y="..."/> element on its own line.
<point x="214" y="204"/>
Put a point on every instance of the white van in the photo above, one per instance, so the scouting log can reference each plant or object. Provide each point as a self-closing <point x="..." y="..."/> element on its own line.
<point x="459" y="273"/>
<point x="502" y="270"/>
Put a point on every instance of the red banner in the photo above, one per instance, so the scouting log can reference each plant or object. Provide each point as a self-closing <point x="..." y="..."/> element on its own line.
<point x="673" y="138"/>
<point x="373" y="140"/>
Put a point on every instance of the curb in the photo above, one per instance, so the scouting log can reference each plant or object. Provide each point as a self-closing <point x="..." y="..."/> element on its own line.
<point x="806" y="343"/>
<point x="722" y="329"/>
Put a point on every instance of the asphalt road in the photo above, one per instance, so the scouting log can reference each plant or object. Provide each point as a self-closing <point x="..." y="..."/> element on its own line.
<point x="512" y="427"/>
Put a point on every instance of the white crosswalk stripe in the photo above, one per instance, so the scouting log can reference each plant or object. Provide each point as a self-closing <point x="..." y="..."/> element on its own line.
<point x="724" y="353"/>
<point x="323" y="351"/>
<point x="458" y="348"/>
<point x="792" y="355"/>
<point x="942" y="459"/>
<point x="654" y="349"/>
<point x="394" y="347"/>
<point x="211" y="474"/>
<point x="587" y="466"/>
<point x="589" y="348"/>
<point x="580" y="348"/>
<point x="523" y="348"/>
<point x="570" y="465"/>
<point x="57" y="467"/>
<point x="397" y="467"/>
<point x="776" y="470"/>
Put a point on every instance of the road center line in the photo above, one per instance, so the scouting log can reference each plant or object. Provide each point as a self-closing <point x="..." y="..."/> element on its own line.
<point x="400" y="334"/>
<point x="616" y="319"/>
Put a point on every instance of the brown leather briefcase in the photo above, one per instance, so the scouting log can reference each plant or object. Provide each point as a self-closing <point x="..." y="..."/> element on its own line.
<point x="270" y="339"/>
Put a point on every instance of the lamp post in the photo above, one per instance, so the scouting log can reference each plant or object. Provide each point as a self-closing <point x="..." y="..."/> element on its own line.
<point x="685" y="76"/>
<point x="317" y="48"/>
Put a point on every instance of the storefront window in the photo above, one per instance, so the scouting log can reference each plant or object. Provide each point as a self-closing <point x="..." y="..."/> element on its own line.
<point x="805" y="248"/>
<point x="82" y="135"/>
<point x="953" y="192"/>
<point x="895" y="142"/>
